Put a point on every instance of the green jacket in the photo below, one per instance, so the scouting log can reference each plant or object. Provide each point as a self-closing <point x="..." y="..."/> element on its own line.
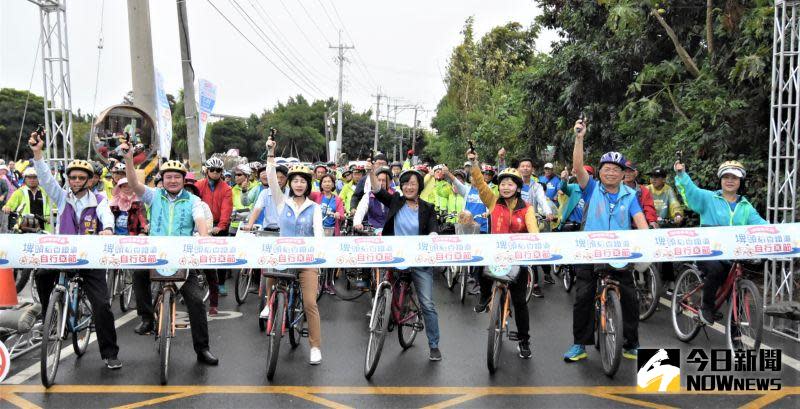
<point x="236" y="194"/>
<point x="573" y="193"/>
<point x="20" y="200"/>
<point x="346" y="194"/>
<point x="713" y="208"/>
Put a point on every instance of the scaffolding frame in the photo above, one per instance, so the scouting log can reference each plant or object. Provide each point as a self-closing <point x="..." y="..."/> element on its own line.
<point x="784" y="131"/>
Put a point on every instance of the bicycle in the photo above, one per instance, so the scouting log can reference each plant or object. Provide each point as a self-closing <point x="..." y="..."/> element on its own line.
<point x="347" y="283"/>
<point x="744" y="321"/>
<point x="499" y="312"/>
<point x="647" y="283"/>
<point x="120" y="284"/>
<point x="25" y="224"/>
<point x="286" y="314"/>
<point x="608" y="319"/>
<point x="460" y="274"/>
<point x="396" y="292"/>
<point x="68" y="312"/>
<point x="167" y="281"/>
<point x="262" y="285"/>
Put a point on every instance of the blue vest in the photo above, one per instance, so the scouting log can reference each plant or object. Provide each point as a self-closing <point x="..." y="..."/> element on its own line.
<point x="474" y="205"/>
<point x="172" y="218"/>
<point x="598" y="216"/>
<point x="293" y="225"/>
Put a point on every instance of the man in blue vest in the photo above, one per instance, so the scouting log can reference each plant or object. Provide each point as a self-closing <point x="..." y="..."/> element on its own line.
<point x="609" y="205"/>
<point x="173" y="212"/>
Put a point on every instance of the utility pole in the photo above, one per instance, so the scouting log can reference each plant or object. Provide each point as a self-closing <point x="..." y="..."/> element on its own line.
<point x="327" y="134"/>
<point x="142" y="68"/>
<point x="414" y="131"/>
<point x="387" y="119"/>
<point x="341" y="47"/>
<point x="377" y="119"/>
<point x="189" y="104"/>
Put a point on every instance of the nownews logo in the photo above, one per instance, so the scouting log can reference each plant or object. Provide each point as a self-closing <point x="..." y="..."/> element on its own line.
<point x="748" y="377"/>
<point x="659" y="370"/>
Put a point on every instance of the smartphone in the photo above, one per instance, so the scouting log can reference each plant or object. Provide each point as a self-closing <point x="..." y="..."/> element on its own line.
<point x="582" y="118"/>
<point x="272" y="133"/>
<point x="679" y="156"/>
<point x="471" y="145"/>
<point x="39" y="134"/>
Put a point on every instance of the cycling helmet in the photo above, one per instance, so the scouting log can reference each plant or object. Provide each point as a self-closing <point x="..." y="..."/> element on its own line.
<point x="384" y="169"/>
<point x="98" y="168"/>
<point x="347" y="172"/>
<point x="487" y="169"/>
<point x="118" y="168"/>
<point x="408" y="173"/>
<point x="320" y="165"/>
<point x="301" y="170"/>
<point x="172" y="166"/>
<point x="29" y="171"/>
<point x="244" y="169"/>
<point x="227" y="174"/>
<point x="359" y="168"/>
<point x="79" y="164"/>
<point x="589" y="169"/>
<point x="615" y="158"/>
<point x="438" y="167"/>
<point x="215" y="162"/>
<point x="254" y="166"/>
<point x="396" y="164"/>
<point x="422" y="168"/>
<point x="731" y="167"/>
<point x="282" y="169"/>
<point x="461" y="173"/>
<point x="190" y="178"/>
<point x="511" y="173"/>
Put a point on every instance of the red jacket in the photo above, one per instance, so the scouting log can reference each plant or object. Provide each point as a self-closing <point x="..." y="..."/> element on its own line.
<point x="220" y="201"/>
<point x="504" y="221"/>
<point x="646" y="201"/>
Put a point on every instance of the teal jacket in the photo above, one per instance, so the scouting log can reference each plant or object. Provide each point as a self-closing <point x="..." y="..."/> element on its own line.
<point x="713" y="208"/>
<point x="172" y="218"/>
<point x="573" y="191"/>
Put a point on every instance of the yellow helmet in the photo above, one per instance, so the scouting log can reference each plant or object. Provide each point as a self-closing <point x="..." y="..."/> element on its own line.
<point x="172" y="166"/>
<point x="79" y="164"/>
<point x="510" y="173"/>
<point x="731" y="167"/>
<point x="301" y="170"/>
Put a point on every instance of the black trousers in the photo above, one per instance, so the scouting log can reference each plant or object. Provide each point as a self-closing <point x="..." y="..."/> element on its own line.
<point x="517" y="290"/>
<point x="583" y="310"/>
<point x="667" y="271"/>
<point x="192" y="296"/>
<point x="96" y="289"/>
<point x="714" y="274"/>
<point x="221" y="273"/>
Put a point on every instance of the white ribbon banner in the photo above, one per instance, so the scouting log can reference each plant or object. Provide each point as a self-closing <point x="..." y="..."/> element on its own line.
<point x="630" y="246"/>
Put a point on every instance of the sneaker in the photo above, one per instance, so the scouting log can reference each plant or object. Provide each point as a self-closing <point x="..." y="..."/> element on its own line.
<point x="548" y="279"/>
<point x="576" y="353"/>
<point x="315" y="356"/>
<point x="481" y="307"/>
<point x="435" y="355"/>
<point x="524" y="348"/>
<point x="475" y="290"/>
<point x="145" y="328"/>
<point x="113" y="363"/>
<point x="212" y="311"/>
<point x="537" y="292"/>
<point x="631" y="353"/>
<point x="222" y="290"/>
<point x="264" y="313"/>
<point x="707" y="315"/>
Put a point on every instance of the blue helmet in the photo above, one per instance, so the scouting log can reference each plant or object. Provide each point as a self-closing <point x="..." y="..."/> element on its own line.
<point x="615" y="158"/>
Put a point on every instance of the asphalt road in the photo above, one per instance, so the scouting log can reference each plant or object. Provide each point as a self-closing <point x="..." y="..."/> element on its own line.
<point x="403" y="379"/>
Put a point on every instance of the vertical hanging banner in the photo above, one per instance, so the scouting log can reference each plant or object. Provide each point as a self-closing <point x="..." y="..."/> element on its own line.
<point x="208" y="97"/>
<point x="163" y="118"/>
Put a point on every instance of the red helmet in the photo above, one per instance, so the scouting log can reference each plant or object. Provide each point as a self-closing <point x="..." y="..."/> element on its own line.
<point x="422" y="168"/>
<point x="487" y="169"/>
<point x="589" y="169"/>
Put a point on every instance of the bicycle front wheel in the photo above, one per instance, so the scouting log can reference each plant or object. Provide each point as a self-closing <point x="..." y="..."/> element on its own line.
<point x="495" y="333"/>
<point x="345" y="284"/>
<point x="410" y="319"/>
<point x="378" y="327"/>
<point x="648" y="289"/>
<point x="295" y="321"/>
<point x="51" y="339"/>
<point x="686" y="304"/>
<point x="82" y="320"/>
<point x="165" y="333"/>
<point x="275" y="325"/>
<point x="744" y="326"/>
<point x="568" y="277"/>
<point x="463" y="273"/>
<point x="610" y="327"/>
<point x="126" y="295"/>
<point x="242" y="284"/>
<point x="529" y="287"/>
<point x="450" y="275"/>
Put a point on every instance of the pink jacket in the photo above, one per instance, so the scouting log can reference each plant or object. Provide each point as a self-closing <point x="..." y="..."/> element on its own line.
<point x="317" y="198"/>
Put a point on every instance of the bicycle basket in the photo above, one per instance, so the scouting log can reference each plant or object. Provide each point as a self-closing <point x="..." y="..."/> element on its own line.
<point x="502" y="273"/>
<point x="169" y="274"/>
<point x="468" y="228"/>
<point x="286" y="273"/>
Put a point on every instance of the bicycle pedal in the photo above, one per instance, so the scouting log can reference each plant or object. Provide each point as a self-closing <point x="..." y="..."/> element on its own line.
<point x="513" y="336"/>
<point x="304" y="333"/>
<point x="417" y="326"/>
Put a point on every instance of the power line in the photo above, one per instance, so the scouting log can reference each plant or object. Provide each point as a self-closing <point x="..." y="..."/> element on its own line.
<point x="313" y="21"/>
<point x="258" y="49"/>
<point x="272" y="46"/>
<point x="358" y="54"/>
<point x="299" y="27"/>
<point x="290" y="47"/>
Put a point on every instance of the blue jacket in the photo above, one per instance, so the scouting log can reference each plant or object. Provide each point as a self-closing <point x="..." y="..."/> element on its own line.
<point x="713" y="208"/>
<point x="573" y="191"/>
<point x="598" y="215"/>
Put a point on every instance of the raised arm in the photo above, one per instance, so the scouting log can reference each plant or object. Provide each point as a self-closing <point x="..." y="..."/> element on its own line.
<point x="577" y="154"/>
<point x="272" y="176"/>
<point x="130" y="172"/>
<point x="46" y="180"/>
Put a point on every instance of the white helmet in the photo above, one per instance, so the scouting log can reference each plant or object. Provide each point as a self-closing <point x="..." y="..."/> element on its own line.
<point x="244" y="169"/>
<point x="119" y="167"/>
<point x="215" y="163"/>
<point x="29" y="171"/>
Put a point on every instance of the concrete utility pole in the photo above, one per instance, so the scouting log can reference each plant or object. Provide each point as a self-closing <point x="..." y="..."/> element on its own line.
<point x="414" y="131"/>
<point x="377" y="120"/>
<point x="387" y="118"/>
<point x="189" y="104"/>
<point x="341" y="47"/>
<point x="142" y="68"/>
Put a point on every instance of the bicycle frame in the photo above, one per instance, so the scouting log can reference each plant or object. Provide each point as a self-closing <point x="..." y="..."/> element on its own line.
<point x="294" y="291"/>
<point x="281" y="285"/>
<point x="604" y="283"/>
<point x="728" y="289"/>
<point x="502" y="289"/>
<point x="172" y="288"/>
<point x="400" y="291"/>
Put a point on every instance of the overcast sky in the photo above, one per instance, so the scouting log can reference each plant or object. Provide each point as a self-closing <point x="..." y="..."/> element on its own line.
<point x="401" y="46"/>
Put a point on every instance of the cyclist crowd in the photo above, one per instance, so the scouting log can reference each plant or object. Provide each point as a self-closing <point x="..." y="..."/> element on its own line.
<point x="402" y="199"/>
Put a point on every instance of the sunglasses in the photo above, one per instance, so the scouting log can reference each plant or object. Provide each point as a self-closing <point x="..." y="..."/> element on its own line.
<point x="76" y="177"/>
<point x="240" y="174"/>
<point x="215" y="170"/>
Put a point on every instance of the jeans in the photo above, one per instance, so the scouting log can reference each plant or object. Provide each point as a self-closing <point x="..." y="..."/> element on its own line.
<point x="96" y="289"/>
<point x="423" y="284"/>
<point x="192" y="296"/>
